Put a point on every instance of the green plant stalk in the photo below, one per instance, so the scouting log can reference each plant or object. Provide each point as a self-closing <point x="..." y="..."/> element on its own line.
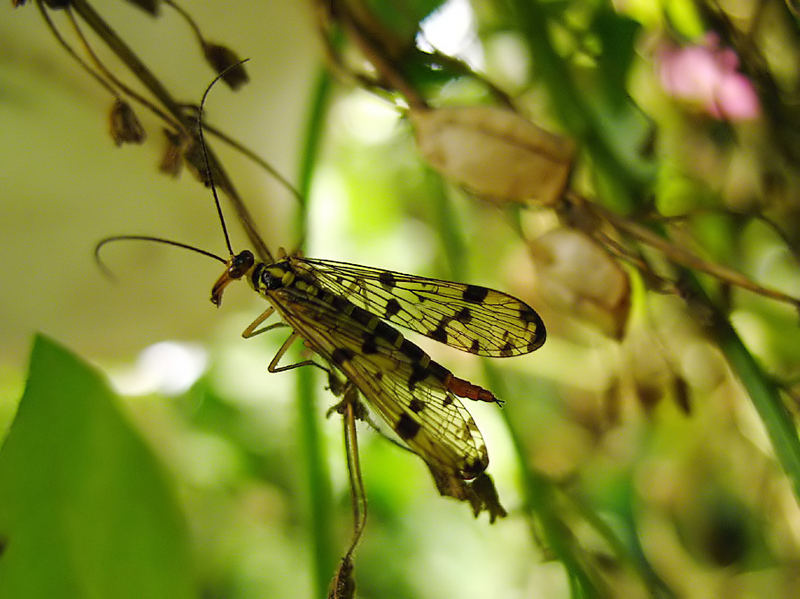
<point x="763" y="393"/>
<point x="540" y="492"/>
<point x="626" y="545"/>
<point x="318" y="480"/>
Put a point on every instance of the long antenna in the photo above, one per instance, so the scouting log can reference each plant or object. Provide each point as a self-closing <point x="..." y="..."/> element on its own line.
<point x="185" y="246"/>
<point x="205" y="152"/>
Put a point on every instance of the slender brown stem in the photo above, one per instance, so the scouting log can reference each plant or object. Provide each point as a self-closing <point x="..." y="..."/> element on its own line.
<point x="376" y="55"/>
<point x="154" y="85"/>
<point x="188" y="18"/>
<point x="685" y="258"/>
<point x="679" y="255"/>
<point x="71" y="51"/>
<point x="127" y="56"/>
<point x="116" y="81"/>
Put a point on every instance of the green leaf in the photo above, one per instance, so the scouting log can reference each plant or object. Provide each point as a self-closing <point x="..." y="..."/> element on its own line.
<point x="617" y="37"/>
<point x="85" y="508"/>
<point x="402" y="17"/>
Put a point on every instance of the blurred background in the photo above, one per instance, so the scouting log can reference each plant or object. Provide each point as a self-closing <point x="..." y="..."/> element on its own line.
<point x="647" y="449"/>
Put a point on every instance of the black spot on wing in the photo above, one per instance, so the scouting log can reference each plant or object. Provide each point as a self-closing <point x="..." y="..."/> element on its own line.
<point x="475" y="293"/>
<point x="392" y="308"/>
<point x="418" y="374"/>
<point x="473" y="468"/>
<point x="438" y="371"/>
<point x="475" y="347"/>
<point x="464" y="315"/>
<point x="439" y="333"/>
<point x="416" y="405"/>
<point x="507" y="350"/>
<point x="406" y="428"/>
<point x="361" y="315"/>
<point x="387" y="279"/>
<point x="369" y="345"/>
<point x="388" y="333"/>
<point x="539" y="332"/>
<point x="538" y="340"/>
<point x="528" y="314"/>
<point x="412" y="350"/>
<point x="340" y="355"/>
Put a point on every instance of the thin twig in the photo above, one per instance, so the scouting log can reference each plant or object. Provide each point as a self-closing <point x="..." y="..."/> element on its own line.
<point x="188" y="18"/>
<point x="679" y="255"/>
<point x="71" y="51"/>
<point x="154" y="85"/>
<point x="374" y="52"/>
<point x="116" y="81"/>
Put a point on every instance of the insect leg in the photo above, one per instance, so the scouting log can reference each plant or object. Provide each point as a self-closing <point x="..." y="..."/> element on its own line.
<point x="273" y="365"/>
<point x="252" y="330"/>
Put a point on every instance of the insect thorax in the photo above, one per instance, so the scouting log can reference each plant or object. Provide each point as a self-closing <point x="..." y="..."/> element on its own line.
<point x="269" y="277"/>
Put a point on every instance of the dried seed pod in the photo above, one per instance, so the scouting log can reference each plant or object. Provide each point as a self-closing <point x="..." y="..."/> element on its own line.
<point x="172" y="156"/>
<point x="576" y="275"/>
<point x="195" y="160"/>
<point x="224" y="60"/>
<point x="494" y="152"/>
<point x="125" y="125"/>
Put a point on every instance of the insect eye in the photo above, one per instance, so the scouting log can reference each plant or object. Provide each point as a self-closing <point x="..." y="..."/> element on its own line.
<point x="240" y="264"/>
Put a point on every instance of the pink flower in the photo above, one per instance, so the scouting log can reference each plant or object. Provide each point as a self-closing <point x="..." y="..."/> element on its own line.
<point x="706" y="75"/>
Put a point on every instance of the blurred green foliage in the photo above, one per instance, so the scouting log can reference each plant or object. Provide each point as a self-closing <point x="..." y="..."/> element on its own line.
<point x="631" y="467"/>
<point x="86" y="509"/>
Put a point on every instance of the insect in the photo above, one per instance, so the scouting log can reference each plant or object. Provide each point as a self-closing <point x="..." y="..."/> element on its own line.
<point x="345" y="314"/>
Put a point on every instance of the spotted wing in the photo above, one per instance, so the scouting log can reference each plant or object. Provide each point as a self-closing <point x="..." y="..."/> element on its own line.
<point x="424" y="414"/>
<point x="471" y="318"/>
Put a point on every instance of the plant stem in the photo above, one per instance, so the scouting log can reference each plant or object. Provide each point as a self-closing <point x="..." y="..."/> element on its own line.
<point x="316" y="470"/>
